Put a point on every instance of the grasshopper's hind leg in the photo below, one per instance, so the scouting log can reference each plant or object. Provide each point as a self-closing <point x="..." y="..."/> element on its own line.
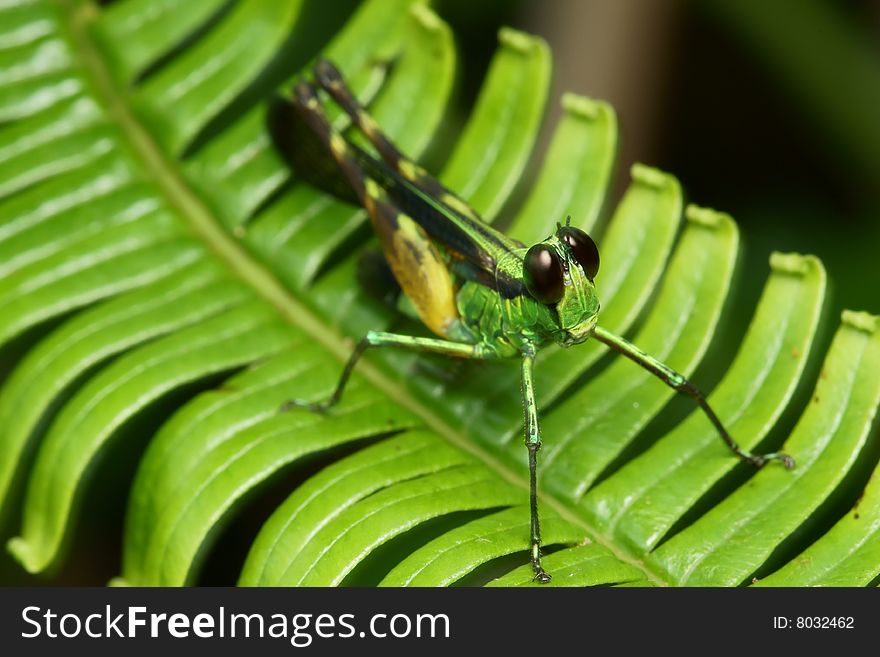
<point x="306" y="100"/>
<point x="416" y="262"/>
<point x="330" y="79"/>
<point x="381" y="339"/>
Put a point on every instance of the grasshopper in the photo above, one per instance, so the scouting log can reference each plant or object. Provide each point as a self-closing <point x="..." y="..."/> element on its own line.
<point x="484" y="294"/>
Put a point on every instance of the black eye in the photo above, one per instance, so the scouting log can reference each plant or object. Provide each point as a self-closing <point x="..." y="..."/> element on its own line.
<point x="583" y="249"/>
<point x="543" y="274"/>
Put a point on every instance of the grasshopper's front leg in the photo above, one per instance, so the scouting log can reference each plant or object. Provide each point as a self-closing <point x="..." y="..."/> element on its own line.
<point x="381" y="339"/>
<point x="533" y="444"/>
<point x="681" y="384"/>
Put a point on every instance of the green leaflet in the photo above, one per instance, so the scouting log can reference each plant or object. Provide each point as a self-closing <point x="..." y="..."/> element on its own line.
<point x="588" y="565"/>
<point x="496" y="142"/>
<point x="576" y="174"/>
<point x="216" y="460"/>
<point x="448" y="558"/>
<point x="76" y="191"/>
<point x="197" y="85"/>
<point x="25" y="23"/>
<point x="340" y="545"/>
<point x="378" y="31"/>
<point x="638" y="504"/>
<point x="62" y="284"/>
<point x="33" y="95"/>
<point x="846" y="556"/>
<point x="76" y="226"/>
<point x="141" y="31"/>
<point x="98" y="334"/>
<point x="411" y="455"/>
<point x="18" y="140"/>
<point x="64" y="154"/>
<point x="115" y="396"/>
<point x="829" y="437"/>
<point x="131" y="276"/>
<point x="636" y="583"/>
<point x="34" y="60"/>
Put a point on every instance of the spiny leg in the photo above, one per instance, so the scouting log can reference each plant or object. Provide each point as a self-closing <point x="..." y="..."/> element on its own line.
<point x="382" y="339"/>
<point x="533" y="444"/>
<point x="681" y="384"/>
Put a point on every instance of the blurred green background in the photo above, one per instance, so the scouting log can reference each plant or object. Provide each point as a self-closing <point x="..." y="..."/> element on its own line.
<point x="766" y="109"/>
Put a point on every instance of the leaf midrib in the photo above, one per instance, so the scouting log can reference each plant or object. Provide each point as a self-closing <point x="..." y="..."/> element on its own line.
<point x="206" y="226"/>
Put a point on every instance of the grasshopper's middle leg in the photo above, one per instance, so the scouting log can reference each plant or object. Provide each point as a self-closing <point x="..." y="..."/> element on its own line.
<point x="533" y="444"/>
<point x="381" y="339"/>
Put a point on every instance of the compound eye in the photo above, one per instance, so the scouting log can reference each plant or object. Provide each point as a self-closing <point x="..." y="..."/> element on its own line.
<point x="543" y="274"/>
<point x="583" y="249"/>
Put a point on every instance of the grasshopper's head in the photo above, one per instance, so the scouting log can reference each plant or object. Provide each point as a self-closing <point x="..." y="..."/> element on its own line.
<point x="559" y="273"/>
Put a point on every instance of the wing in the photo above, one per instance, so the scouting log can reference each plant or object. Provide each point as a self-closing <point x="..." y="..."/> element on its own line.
<point x="471" y="239"/>
<point x="472" y="247"/>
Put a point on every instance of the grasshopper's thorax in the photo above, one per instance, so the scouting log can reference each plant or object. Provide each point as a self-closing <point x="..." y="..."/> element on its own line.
<point x="559" y="303"/>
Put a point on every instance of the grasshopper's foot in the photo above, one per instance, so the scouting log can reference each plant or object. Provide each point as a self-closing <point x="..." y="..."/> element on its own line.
<point x="759" y="460"/>
<point x="541" y="575"/>
<point x="785" y="459"/>
<point x="314" y="407"/>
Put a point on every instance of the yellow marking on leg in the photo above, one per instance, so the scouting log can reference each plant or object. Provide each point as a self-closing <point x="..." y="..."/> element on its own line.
<point x="367" y="124"/>
<point x="373" y="188"/>
<point x="411" y="171"/>
<point x="369" y="203"/>
<point x="337" y="144"/>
